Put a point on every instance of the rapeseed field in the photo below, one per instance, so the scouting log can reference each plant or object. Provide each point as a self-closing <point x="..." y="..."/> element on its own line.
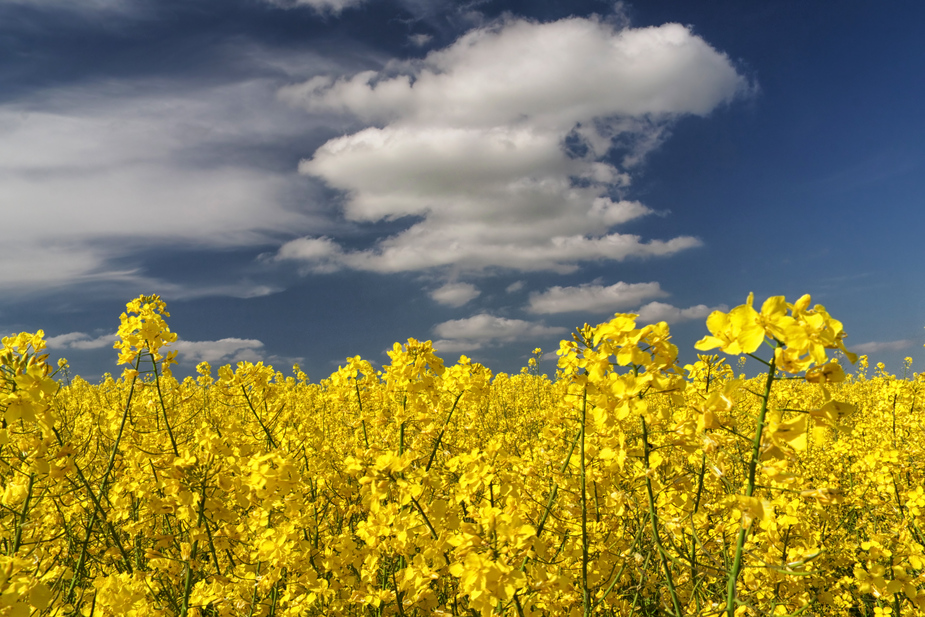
<point x="624" y="485"/>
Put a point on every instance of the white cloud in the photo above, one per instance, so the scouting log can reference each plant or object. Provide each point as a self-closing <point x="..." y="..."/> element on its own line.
<point x="420" y="40"/>
<point x="80" y="340"/>
<point x="222" y="351"/>
<point x="322" y="6"/>
<point x="451" y="346"/>
<point x="424" y="246"/>
<point x="516" y="68"/>
<point x="472" y="139"/>
<point x="455" y="294"/>
<point x="241" y="290"/>
<point x="484" y="330"/>
<point x="875" y="347"/>
<point x="515" y="287"/>
<point x="92" y="174"/>
<point x="654" y="312"/>
<point x="319" y="255"/>
<point x="419" y="8"/>
<point x="593" y="298"/>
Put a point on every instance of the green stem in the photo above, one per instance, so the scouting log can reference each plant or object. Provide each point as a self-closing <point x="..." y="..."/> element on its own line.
<point x="552" y="499"/>
<point x="270" y="439"/>
<point x="653" y="519"/>
<point x="555" y="487"/>
<point x="752" y="467"/>
<point x="160" y="396"/>
<point x="188" y="573"/>
<point x="703" y="471"/>
<point x="433" y="532"/>
<point x="895" y="396"/>
<point x="585" y="591"/>
<point x="433" y="452"/>
<point x="250" y="613"/>
<point x="362" y="419"/>
<point x="103" y="486"/>
<point x="17" y="539"/>
<point x="619" y="576"/>
<point x="80" y="473"/>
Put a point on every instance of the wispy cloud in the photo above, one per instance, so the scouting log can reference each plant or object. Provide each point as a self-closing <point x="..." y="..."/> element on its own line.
<point x="419" y="8"/>
<point x="419" y="40"/>
<point x="224" y="350"/>
<point x="111" y="6"/>
<point x="498" y="147"/>
<point x="95" y="174"/>
<point x="322" y="6"/>
<point x="455" y="294"/>
<point x="875" y="346"/>
<point x="592" y="298"/>
<point x="654" y="312"/>
<point x="484" y="330"/>
<point x="80" y="340"/>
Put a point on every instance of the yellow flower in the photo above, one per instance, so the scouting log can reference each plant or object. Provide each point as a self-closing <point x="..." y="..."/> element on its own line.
<point x="827" y="373"/>
<point x="145" y="330"/>
<point x="735" y="332"/>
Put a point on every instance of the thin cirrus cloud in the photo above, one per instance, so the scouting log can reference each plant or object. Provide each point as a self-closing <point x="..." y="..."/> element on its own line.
<point x="496" y="145"/>
<point x="322" y="6"/>
<point x="485" y="330"/>
<point x="83" y="5"/>
<point x="418" y="8"/>
<point x="875" y="347"/>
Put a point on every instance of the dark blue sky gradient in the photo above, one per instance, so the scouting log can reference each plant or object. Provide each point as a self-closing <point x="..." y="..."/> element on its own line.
<point x="812" y="184"/>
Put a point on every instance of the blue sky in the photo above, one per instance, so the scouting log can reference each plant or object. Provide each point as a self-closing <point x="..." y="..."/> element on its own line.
<point x="306" y="180"/>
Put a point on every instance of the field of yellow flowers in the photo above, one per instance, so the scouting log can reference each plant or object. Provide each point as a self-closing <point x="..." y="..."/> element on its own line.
<point x="627" y="485"/>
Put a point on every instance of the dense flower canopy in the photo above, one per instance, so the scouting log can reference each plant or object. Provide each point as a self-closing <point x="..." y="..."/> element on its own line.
<point x="627" y="485"/>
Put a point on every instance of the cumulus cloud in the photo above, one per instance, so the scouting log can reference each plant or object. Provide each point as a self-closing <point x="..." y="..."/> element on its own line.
<point x="517" y="67"/>
<point x="80" y="340"/>
<point x="875" y="347"/>
<point x="654" y="312"/>
<point x="496" y="144"/>
<point x="455" y="294"/>
<point x="222" y="351"/>
<point x="592" y="298"/>
<point x="484" y="330"/>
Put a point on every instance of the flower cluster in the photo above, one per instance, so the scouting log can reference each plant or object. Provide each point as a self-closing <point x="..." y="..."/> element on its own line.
<point x="142" y="329"/>
<point x="626" y="485"/>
